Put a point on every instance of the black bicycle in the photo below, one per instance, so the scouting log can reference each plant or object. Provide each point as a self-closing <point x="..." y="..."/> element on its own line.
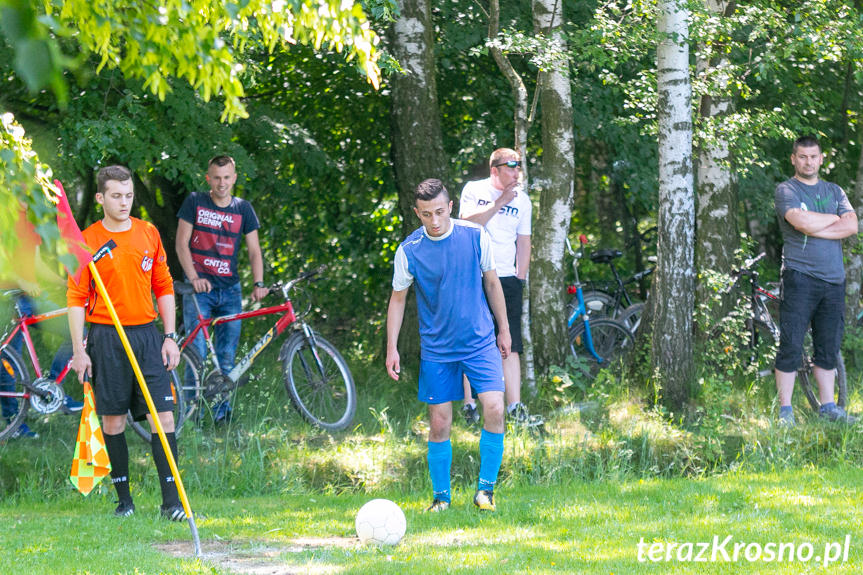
<point x="757" y="349"/>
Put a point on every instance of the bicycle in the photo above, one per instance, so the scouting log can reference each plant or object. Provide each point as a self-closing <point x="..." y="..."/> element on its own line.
<point x="763" y="334"/>
<point x="614" y="300"/>
<point x="601" y="341"/>
<point x="43" y="394"/>
<point x="317" y="378"/>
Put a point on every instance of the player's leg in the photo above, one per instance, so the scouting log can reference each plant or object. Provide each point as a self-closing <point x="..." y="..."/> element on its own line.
<point x="113" y="385"/>
<point x="147" y="343"/>
<point x="486" y="374"/>
<point x="439" y="385"/>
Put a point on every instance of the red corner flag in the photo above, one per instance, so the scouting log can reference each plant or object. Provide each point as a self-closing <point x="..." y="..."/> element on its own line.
<point x="71" y="233"/>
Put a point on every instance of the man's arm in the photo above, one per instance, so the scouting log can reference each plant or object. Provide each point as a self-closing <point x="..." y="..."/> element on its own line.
<point x="184" y="254"/>
<point x="494" y="293"/>
<point x="80" y="360"/>
<point x="482" y="214"/>
<point x="168" y="313"/>
<point x="395" y="315"/>
<point x="809" y="223"/>
<point x="522" y="255"/>
<point x="256" y="259"/>
<point x="845" y="226"/>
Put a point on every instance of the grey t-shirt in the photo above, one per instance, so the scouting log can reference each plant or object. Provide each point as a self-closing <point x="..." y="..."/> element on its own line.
<point x="818" y="257"/>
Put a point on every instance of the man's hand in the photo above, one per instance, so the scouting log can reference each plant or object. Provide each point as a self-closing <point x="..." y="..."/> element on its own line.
<point x="201" y="285"/>
<point x="82" y="365"/>
<point x="504" y="343"/>
<point x="260" y="293"/>
<point x="170" y="354"/>
<point x="393" y="365"/>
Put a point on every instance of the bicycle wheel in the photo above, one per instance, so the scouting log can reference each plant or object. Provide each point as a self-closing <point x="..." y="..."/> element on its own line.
<point x="809" y="386"/>
<point x="142" y="428"/>
<point x="631" y="317"/>
<point x="15" y="398"/>
<point x="318" y="381"/>
<point x="611" y="341"/>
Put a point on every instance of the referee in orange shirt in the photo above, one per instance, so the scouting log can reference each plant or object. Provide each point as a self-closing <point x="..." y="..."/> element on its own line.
<point x="129" y="255"/>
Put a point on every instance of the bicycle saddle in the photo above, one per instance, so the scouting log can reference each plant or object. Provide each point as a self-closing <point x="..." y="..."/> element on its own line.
<point x="605" y="256"/>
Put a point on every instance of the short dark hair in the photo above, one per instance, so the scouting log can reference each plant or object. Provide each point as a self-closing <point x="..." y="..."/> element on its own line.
<point x="805" y="142"/>
<point x="115" y="173"/>
<point x="221" y="161"/>
<point x="430" y="189"/>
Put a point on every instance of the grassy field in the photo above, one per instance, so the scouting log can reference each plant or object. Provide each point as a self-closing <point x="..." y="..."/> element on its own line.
<point x="609" y="486"/>
<point x="582" y="527"/>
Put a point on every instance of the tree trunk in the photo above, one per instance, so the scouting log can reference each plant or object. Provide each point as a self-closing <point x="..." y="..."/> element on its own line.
<point x="853" y="257"/>
<point x="552" y="222"/>
<point x="674" y="294"/>
<point x="717" y="235"/>
<point x="417" y="145"/>
<point x="521" y="122"/>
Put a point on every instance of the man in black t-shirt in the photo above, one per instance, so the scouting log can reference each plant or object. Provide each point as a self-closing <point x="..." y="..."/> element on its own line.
<point x="209" y="231"/>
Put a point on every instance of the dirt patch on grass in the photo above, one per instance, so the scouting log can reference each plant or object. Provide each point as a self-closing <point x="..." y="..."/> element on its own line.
<point x="261" y="558"/>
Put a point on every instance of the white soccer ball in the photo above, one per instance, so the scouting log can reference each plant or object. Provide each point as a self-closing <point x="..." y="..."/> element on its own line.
<point x="380" y="521"/>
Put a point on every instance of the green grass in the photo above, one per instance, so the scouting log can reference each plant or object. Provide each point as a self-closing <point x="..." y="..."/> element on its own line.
<point x="581" y="527"/>
<point x="277" y="494"/>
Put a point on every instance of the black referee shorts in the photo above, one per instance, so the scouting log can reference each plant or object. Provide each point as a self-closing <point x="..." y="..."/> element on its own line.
<point x="114" y="383"/>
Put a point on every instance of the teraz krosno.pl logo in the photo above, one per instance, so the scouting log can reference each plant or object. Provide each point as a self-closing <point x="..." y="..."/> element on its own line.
<point x="730" y="551"/>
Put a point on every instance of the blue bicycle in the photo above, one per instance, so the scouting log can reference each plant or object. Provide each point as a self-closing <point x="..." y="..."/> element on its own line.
<point x="599" y="342"/>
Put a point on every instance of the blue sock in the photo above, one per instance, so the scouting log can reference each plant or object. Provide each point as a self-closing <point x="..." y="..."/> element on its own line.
<point x="490" y="458"/>
<point x="440" y="461"/>
<point x="826" y="406"/>
<point x="785" y="410"/>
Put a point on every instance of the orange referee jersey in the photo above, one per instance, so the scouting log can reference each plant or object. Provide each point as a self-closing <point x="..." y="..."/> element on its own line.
<point x="132" y="264"/>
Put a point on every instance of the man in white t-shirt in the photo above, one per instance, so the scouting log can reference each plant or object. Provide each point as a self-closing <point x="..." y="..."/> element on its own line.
<point x="501" y="204"/>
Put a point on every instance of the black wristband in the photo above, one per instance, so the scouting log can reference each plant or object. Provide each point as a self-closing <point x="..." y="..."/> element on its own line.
<point x="260" y="284"/>
<point x="172" y="335"/>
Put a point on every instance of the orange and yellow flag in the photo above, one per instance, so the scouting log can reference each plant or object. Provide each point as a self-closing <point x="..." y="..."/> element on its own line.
<point x="91" y="462"/>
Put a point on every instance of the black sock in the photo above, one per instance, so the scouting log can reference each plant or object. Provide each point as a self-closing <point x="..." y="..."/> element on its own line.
<point x="170" y="497"/>
<point x="118" y="452"/>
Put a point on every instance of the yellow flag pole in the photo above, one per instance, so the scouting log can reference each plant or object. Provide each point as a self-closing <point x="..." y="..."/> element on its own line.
<point x="148" y="398"/>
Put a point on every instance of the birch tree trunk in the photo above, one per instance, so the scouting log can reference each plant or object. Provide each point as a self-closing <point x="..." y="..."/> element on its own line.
<point x="552" y="222"/>
<point x="417" y="145"/>
<point x="853" y="257"/>
<point x="521" y="122"/>
<point x="674" y="293"/>
<point x="716" y="216"/>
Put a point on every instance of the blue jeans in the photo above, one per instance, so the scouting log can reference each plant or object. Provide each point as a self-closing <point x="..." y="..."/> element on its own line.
<point x="219" y="302"/>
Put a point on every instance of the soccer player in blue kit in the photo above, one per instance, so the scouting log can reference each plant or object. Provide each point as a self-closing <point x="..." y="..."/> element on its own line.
<point x="451" y="266"/>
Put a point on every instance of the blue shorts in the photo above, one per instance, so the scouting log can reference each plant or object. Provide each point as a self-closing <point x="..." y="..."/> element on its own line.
<point x="441" y="382"/>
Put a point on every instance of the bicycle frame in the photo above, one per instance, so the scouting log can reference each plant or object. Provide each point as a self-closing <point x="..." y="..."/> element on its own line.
<point x="21" y="325"/>
<point x="244" y="364"/>
<point x="580" y="312"/>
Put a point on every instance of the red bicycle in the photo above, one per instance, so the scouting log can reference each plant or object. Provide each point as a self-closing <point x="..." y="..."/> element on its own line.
<point x="18" y="391"/>
<point x="316" y="376"/>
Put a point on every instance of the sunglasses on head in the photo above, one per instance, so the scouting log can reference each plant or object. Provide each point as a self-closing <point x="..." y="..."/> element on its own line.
<point x="508" y="164"/>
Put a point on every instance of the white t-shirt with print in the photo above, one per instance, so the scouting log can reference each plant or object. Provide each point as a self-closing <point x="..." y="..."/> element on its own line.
<point x="511" y="221"/>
